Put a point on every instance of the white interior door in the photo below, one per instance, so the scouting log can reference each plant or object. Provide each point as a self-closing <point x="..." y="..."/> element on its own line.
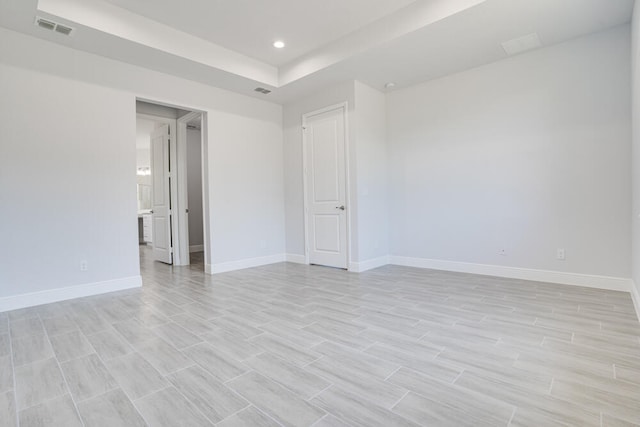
<point x="325" y="188"/>
<point x="161" y="195"/>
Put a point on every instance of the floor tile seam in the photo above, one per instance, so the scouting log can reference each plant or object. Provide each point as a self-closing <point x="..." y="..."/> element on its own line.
<point x="391" y="407"/>
<point x="603" y="407"/>
<point x="235" y="393"/>
<point x="194" y="365"/>
<point x="513" y="414"/>
<point x="386" y="379"/>
<point x="166" y="387"/>
<point x="249" y="370"/>
<point x="368" y="347"/>
<point x="349" y="390"/>
<point x="424" y="396"/>
<point x="64" y="378"/>
<point x="75" y="357"/>
<point x="476" y="392"/>
<point x="267" y="415"/>
<point x="190" y="402"/>
<point x="601" y="359"/>
<point x="322" y="356"/>
<point x="320" y="419"/>
<point x="119" y="385"/>
<point x="62" y="333"/>
<point x="321" y="391"/>
<point x="22" y="336"/>
<point x="249" y="405"/>
<point x="13" y="371"/>
<point x="49" y="399"/>
<point x="135" y="406"/>
<point x="331" y="383"/>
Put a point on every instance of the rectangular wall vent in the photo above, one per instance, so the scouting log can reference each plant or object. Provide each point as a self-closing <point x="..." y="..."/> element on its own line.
<point x="53" y="26"/>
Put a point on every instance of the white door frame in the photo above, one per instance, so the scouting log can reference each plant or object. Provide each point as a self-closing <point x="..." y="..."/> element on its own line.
<point x="205" y="169"/>
<point x="305" y="117"/>
<point x="182" y="216"/>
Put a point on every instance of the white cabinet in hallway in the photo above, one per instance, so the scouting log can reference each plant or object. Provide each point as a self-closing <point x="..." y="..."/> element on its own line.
<point x="147" y="228"/>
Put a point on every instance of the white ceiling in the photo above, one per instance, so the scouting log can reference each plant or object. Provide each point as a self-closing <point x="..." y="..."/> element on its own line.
<point x="217" y="42"/>
<point x="251" y="26"/>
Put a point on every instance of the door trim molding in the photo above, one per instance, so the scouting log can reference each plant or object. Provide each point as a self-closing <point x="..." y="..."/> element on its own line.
<point x="181" y="242"/>
<point x="344" y="106"/>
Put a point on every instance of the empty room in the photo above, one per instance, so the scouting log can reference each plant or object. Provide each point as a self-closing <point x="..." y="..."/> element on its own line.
<point x="319" y="213"/>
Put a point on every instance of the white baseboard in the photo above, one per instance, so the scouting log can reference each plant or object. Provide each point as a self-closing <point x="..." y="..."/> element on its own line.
<point x="298" y="259"/>
<point x="61" y="294"/>
<point x="576" y="279"/>
<point x="370" y="264"/>
<point x="635" y="297"/>
<point x="196" y="248"/>
<point x="224" y="267"/>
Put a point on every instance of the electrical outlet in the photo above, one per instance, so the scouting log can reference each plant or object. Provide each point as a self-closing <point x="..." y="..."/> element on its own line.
<point x="560" y="254"/>
<point x="84" y="266"/>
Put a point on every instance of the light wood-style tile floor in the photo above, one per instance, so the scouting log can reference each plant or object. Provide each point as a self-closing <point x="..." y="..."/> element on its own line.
<point x="295" y="345"/>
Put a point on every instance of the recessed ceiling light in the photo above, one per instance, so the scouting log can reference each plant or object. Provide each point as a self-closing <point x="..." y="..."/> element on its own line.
<point x="278" y="44"/>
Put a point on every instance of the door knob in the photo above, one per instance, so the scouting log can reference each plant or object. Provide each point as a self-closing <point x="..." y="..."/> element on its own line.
<point x="340" y="207"/>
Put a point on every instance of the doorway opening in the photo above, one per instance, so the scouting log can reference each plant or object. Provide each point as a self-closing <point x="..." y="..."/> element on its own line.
<point x="171" y="199"/>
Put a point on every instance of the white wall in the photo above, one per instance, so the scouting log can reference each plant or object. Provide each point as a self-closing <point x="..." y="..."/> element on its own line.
<point x="529" y="154"/>
<point x="144" y="128"/>
<point x="194" y="186"/>
<point x="68" y="166"/>
<point x="371" y="171"/>
<point x="635" y="158"/>
<point x="68" y="183"/>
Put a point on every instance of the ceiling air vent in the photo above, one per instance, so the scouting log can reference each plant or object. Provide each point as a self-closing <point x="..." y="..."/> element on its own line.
<point x="262" y="90"/>
<point x="43" y="23"/>
<point x="522" y="44"/>
<point x="53" y="26"/>
<point x="62" y="29"/>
